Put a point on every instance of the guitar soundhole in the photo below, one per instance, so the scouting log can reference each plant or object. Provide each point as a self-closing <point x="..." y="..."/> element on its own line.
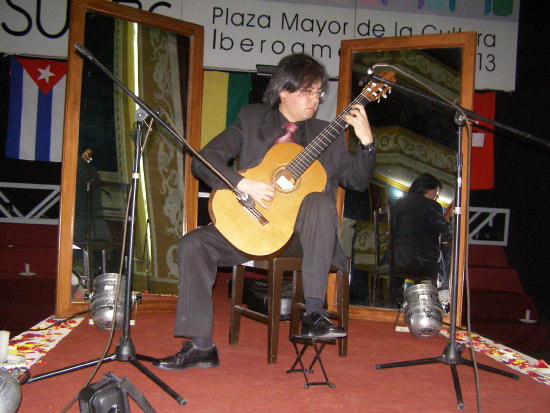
<point x="287" y="185"/>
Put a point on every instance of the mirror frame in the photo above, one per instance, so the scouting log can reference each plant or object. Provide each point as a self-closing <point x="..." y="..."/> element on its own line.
<point x="467" y="42"/>
<point x="150" y="303"/>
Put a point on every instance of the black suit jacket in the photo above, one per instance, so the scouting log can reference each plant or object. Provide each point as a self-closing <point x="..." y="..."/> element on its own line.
<point x="254" y="132"/>
<point x="418" y="224"/>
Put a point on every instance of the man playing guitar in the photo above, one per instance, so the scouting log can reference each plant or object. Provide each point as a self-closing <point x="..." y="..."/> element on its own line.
<point x="292" y="96"/>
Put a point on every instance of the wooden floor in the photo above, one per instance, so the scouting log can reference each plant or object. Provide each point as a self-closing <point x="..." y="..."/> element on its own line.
<point x="244" y="382"/>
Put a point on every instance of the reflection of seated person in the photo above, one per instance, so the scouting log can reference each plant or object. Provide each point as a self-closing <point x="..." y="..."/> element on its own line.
<point x="418" y="226"/>
<point x="87" y="185"/>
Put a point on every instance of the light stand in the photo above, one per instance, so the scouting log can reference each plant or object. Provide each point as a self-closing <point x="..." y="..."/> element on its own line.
<point x="453" y="350"/>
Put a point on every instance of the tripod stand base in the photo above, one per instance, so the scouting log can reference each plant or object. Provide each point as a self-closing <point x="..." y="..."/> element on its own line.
<point x="124" y="352"/>
<point x="451" y="356"/>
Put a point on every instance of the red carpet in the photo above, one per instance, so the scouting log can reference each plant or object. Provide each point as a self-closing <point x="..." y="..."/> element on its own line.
<point x="244" y="382"/>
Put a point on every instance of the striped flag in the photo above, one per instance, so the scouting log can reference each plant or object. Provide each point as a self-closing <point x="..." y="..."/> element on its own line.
<point x="482" y="169"/>
<point x="36" y="109"/>
<point x="224" y="95"/>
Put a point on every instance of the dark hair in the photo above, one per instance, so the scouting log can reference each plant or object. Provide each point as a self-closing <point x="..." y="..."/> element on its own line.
<point x="294" y="72"/>
<point x="424" y="183"/>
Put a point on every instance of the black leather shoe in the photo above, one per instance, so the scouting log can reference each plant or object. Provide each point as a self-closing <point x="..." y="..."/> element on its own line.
<point x="190" y="356"/>
<point x="318" y="324"/>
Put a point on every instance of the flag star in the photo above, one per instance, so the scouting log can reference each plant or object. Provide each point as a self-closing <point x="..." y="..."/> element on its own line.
<point x="45" y="74"/>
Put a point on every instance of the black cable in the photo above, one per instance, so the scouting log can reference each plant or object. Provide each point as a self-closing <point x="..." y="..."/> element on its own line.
<point x="60" y="321"/>
<point x="110" y="307"/>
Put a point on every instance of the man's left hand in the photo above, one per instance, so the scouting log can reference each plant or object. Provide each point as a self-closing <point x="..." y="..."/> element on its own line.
<point x="357" y="118"/>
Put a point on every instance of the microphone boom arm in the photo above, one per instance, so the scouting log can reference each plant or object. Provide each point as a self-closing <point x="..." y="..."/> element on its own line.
<point x="86" y="53"/>
<point x="470" y="114"/>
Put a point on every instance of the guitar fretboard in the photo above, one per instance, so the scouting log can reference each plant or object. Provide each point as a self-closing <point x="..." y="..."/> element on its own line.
<point x="312" y="151"/>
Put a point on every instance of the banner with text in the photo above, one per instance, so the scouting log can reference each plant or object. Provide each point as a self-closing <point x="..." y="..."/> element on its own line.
<point x="239" y="34"/>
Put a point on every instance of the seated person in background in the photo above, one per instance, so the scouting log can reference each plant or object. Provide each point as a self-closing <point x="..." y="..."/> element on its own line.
<point x="418" y="226"/>
<point x="90" y="225"/>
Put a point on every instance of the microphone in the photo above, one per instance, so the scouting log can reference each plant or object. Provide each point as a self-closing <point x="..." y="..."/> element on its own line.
<point x="370" y="71"/>
<point x="364" y="79"/>
<point x="245" y="199"/>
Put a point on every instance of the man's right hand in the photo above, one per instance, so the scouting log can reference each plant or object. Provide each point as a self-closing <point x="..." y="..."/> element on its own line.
<point x="260" y="192"/>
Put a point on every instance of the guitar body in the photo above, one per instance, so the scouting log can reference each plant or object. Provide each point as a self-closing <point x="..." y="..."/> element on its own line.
<point x="295" y="172"/>
<point x="242" y="229"/>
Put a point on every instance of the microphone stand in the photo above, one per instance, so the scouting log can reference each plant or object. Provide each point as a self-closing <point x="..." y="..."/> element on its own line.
<point x="125" y="350"/>
<point x="453" y="350"/>
<point x="244" y="199"/>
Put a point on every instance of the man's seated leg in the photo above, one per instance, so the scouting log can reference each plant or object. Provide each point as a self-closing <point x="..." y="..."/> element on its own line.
<point x="200" y="252"/>
<point x="317" y="229"/>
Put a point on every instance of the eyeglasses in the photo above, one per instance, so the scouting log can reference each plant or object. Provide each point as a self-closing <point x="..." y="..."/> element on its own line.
<point x="310" y="92"/>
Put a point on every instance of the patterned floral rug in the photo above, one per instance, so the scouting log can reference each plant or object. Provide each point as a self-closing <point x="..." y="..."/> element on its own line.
<point x="537" y="369"/>
<point x="29" y="347"/>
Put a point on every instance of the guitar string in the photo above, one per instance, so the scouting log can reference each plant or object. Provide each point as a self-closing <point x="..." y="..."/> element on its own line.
<point x="301" y="162"/>
<point x="325" y="138"/>
<point x="300" y="167"/>
<point x="306" y="157"/>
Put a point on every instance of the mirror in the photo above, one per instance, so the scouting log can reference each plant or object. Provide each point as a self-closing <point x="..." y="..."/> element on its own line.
<point x="160" y="60"/>
<point x="412" y="136"/>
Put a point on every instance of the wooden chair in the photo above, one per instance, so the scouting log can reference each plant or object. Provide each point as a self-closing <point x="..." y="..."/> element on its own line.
<point x="276" y="267"/>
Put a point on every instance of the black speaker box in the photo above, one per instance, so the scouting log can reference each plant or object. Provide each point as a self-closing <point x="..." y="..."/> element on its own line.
<point x="255" y="295"/>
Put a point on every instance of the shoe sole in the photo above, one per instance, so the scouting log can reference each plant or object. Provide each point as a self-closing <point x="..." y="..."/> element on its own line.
<point x="328" y="335"/>
<point x="201" y="364"/>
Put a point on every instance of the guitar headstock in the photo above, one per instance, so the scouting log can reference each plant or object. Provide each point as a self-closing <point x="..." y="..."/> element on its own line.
<point x="376" y="90"/>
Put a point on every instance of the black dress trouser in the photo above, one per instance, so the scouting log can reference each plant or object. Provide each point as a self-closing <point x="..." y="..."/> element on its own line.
<point x="202" y="251"/>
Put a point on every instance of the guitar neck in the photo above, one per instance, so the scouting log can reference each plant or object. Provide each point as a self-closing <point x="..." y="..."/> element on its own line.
<point x="312" y="151"/>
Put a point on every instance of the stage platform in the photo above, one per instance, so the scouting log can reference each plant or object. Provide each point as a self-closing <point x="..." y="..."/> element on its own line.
<point x="244" y="382"/>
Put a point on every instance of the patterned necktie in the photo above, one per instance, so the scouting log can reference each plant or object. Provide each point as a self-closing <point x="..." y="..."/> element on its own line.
<point x="289" y="128"/>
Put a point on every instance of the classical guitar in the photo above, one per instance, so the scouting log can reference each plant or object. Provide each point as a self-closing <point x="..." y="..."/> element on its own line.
<point x="295" y="172"/>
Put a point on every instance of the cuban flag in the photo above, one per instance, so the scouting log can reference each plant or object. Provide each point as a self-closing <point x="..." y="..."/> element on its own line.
<point x="36" y="109"/>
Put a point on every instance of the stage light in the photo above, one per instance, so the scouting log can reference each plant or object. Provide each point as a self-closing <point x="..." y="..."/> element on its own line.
<point x="102" y="301"/>
<point x="422" y="310"/>
<point x="10" y="389"/>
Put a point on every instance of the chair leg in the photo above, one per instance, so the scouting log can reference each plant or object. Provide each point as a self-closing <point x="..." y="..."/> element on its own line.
<point x="274" y="293"/>
<point x="296" y="307"/>
<point x="374" y="288"/>
<point x="342" y="297"/>
<point x="342" y="280"/>
<point x="237" y="287"/>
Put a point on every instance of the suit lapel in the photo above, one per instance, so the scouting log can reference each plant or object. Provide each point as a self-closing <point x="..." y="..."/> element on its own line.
<point x="270" y="129"/>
